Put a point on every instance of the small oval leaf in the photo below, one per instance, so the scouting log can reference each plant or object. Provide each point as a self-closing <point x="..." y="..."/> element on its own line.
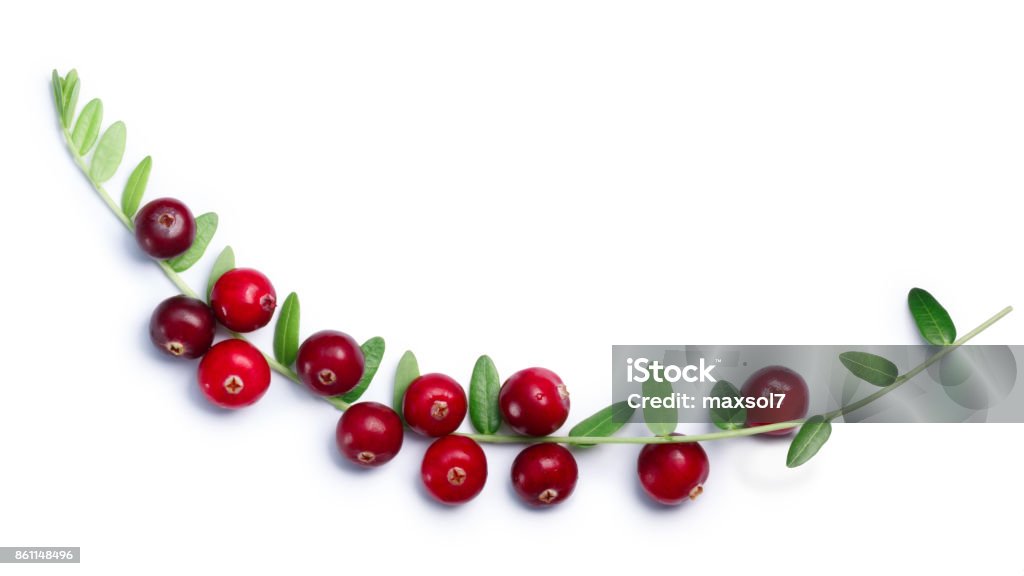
<point x="135" y="188"/>
<point x="70" y="89"/>
<point x="109" y="152"/>
<point x="373" y="353"/>
<point x="870" y="368"/>
<point x="484" y="386"/>
<point x="727" y="412"/>
<point x="71" y="76"/>
<point x="407" y="371"/>
<point x="206" y="227"/>
<point x="932" y="319"/>
<point x="87" y="128"/>
<point x="812" y="436"/>
<point x="286" y="332"/>
<point x="604" y="422"/>
<point x="225" y="261"/>
<point x="662" y="421"/>
<point x="58" y="95"/>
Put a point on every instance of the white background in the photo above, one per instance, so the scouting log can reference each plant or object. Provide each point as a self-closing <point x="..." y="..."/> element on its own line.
<point x="532" y="180"/>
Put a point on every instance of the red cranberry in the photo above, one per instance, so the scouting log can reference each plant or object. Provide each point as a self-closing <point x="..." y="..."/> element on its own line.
<point x="671" y="473"/>
<point x="454" y="469"/>
<point x="434" y="405"/>
<point x="544" y="474"/>
<point x="534" y="402"/>
<point x="330" y="363"/>
<point x="369" y="434"/>
<point x="165" y="228"/>
<point x="182" y="326"/>
<point x="234" y="374"/>
<point x="243" y="300"/>
<point x="776" y="380"/>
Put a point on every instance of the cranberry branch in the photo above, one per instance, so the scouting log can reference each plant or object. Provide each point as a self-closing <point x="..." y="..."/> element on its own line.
<point x="112" y="146"/>
<point x="532" y="402"/>
<point x="753" y="430"/>
<point x="904" y="378"/>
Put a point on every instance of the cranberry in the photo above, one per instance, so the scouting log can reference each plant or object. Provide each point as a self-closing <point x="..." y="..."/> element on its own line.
<point x="434" y="405"/>
<point x="544" y="474"/>
<point x="454" y="469"/>
<point x="369" y="434"/>
<point x="671" y="473"/>
<point x="534" y="402"/>
<point x="165" y="228"/>
<point x="330" y="363"/>
<point x="776" y="380"/>
<point x="243" y="300"/>
<point x="234" y="374"/>
<point x="182" y="326"/>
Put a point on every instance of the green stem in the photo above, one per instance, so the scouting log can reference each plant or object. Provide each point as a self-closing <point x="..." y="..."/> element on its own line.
<point x="96" y="185"/>
<point x="946" y="350"/>
<point x="577" y="440"/>
<point x="173" y="276"/>
<point x="340" y="404"/>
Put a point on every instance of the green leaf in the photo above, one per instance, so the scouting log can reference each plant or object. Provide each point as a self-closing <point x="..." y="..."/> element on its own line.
<point x="735" y="415"/>
<point x="932" y="319"/>
<point x="407" y="371"/>
<point x="87" y="128"/>
<point x="870" y="368"/>
<point x="812" y="436"/>
<point x="286" y="333"/>
<point x="225" y="262"/>
<point x="604" y="422"/>
<point x="662" y="421"/>
<point x="58" y="95"/>
<point x="109" y="152"/>
<point x="206" y="227"/>
<point x="373" y="353"/>
<point x="135" y="188"/>
<point x="484" y="386"/>
<point x="70" y="89"/>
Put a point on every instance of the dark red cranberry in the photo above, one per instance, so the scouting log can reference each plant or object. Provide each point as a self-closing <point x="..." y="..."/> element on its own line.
<point x="243" y="300"/>
<point x="182" y="326"/>
<point x="234" y="374"/>
<point x="534" y="402"/>
<point x="165" y="228"/>
<point x="369" y="434"/>
<point x="330" y="363"/>
<point x="776" y="380"/>
<point x="671" y="473"/>
<point x="434" y="405"/>
<point x="454" y="469"/>
<point x="544" y="474"/>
